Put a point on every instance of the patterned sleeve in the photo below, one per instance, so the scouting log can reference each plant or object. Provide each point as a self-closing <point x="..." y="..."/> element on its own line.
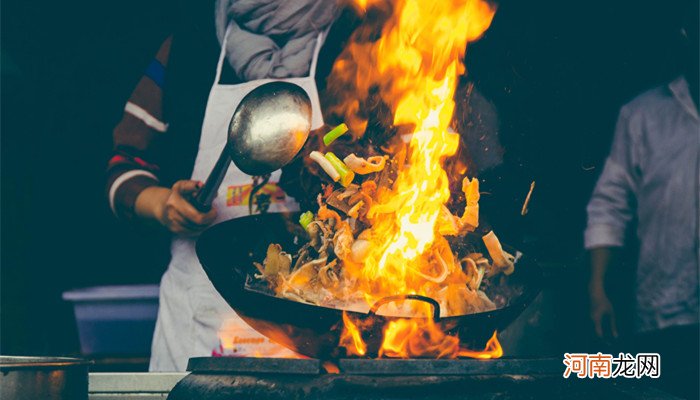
<point x="132" y="167"/>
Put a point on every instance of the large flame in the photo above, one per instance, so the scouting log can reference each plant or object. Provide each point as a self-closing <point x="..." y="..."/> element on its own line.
<point x="415" y="65"/>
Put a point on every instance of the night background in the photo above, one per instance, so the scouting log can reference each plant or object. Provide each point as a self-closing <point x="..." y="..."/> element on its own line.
<point x="558" y="72"/>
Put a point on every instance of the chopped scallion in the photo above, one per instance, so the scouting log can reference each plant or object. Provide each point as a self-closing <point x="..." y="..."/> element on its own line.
<point x="346" y="174"/>
<point x="306" y="218"/>
<point x="335" y="133"/>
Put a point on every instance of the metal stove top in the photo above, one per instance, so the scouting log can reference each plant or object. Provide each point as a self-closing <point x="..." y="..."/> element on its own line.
<point x="247" y="378"/>
<point x="233" y="365"/>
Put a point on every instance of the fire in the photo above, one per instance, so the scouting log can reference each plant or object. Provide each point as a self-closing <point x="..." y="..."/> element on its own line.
<point x="415" y="65"/>
<point x="351" y="337"/>
<point x="409" y="339"/>
<point x="362" y="4"/>
<point x="413" y="338"/>
<point x="493" y="349"/>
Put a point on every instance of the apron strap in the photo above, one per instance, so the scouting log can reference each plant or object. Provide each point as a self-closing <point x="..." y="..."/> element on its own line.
<point x="317" y="51"/>
<point x="222" y="56"/>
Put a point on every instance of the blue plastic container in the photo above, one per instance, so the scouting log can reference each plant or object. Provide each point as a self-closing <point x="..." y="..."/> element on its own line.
<point x="115" y="320"/>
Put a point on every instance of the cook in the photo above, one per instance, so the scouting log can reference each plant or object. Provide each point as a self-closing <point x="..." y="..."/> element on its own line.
<point x="260" y="41"/>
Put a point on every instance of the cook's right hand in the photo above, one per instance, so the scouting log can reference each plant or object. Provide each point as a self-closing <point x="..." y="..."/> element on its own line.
<point x="602" y="314"/>
<point x="171" y="208"/>
<point x="179" y="215"/>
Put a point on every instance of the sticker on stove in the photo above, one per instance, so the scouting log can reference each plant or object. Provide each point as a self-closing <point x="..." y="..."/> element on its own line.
<point x="237" y="339"/>
<point x="584" y="365"/>
<point x="251" y="347"/>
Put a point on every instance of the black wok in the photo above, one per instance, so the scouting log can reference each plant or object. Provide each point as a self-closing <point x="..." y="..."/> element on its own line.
<point x="227" y="252"/>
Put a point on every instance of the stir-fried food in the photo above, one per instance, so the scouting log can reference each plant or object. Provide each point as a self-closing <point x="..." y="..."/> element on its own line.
<point x="330" y="269"/>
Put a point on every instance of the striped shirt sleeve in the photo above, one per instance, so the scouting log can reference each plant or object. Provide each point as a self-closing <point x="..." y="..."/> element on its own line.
<point x="132" y="167"/>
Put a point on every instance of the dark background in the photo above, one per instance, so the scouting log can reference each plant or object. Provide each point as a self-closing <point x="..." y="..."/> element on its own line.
<point x="557" y="71"/>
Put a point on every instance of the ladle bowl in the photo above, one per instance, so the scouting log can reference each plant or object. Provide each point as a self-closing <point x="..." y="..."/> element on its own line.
<point x="269" y="127"/>
<point x="267" y="130"/>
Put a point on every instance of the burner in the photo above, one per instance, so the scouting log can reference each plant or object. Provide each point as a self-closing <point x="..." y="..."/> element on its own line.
<point x="450" y="367"/>
<point x="228" y="378"/>
<point x="245" y="365"/>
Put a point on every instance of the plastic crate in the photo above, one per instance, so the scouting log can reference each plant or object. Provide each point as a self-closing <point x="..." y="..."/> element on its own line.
<point x="115" y="320"/>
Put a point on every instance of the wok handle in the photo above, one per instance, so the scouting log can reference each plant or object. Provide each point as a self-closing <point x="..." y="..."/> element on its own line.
<point x="390" y="299"/>
<point x="205" y="196"/>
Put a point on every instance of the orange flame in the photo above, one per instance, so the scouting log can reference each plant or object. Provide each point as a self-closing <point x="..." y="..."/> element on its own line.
<point x="330" y="367"/>
<point x="493" y="349"/>
<point x="413" y="338"/>
<point x="363" y="4"/>
<point x="406" y="338"/>
<point x="421" y="49"/>
<point x="351" y="338"/>
<point x="415" y="64"/>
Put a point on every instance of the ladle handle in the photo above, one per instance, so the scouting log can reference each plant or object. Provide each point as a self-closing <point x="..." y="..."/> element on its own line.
<point x="205" y="196"/>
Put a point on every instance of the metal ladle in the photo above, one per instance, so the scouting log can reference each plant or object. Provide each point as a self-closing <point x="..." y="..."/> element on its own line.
<point x="267" y="130"/>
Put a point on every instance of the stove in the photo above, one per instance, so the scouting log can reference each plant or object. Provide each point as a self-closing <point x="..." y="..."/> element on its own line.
<point x="221" y="378"/>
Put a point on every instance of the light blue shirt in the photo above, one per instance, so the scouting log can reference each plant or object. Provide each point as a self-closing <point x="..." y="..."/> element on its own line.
<point x="653" y="172"/>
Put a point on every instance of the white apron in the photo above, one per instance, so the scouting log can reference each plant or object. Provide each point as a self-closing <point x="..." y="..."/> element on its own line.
<point x="193" y="319"/>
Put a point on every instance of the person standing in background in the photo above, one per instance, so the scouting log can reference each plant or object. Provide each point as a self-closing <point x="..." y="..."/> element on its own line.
<point x="653" y="174"/>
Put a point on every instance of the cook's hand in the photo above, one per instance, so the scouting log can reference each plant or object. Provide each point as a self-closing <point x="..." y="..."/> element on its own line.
<point x="172" y="209"/>
<point x="602" y="313"/>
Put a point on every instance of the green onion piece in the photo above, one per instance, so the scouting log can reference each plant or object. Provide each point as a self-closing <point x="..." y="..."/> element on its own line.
<point x="306" y="218"/>
<point x="335" y="133"/>
<point x="346" y="174"/>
